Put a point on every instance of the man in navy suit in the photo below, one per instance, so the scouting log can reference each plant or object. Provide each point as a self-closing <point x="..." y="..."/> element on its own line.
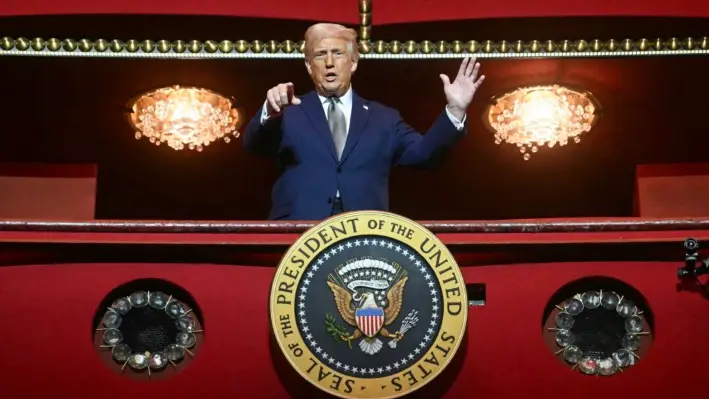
<point x="336" y="148"/>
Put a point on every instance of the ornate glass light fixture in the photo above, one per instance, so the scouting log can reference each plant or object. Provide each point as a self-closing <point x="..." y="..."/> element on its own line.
<point x="184" y="117"/>
<point x="148" y="330"/>
<point x="532" y="117"/>
<point x="612" y="349"/>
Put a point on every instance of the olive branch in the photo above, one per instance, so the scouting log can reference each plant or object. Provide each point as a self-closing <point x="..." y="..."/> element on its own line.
<point x="337" y="332"/>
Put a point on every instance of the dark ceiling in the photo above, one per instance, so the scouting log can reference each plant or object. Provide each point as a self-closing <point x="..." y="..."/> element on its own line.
<point x="70" y="111"/>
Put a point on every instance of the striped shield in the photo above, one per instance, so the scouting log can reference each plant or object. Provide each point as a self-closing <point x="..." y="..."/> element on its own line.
<point x="369" y="320"/>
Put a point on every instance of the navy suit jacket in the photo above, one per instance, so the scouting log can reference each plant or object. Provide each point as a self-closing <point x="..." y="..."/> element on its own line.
<point x="377" y="139"/>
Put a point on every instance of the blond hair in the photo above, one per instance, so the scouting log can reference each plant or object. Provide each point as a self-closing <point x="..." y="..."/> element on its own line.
<point x="318" y="32"/>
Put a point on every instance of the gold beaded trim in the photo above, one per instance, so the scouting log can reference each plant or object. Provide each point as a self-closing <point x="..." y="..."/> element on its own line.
<point x="365" y="24"/>
<point x="379" y="49"/>
<point x="150" y="49"/>
<point x="539" y="48"/>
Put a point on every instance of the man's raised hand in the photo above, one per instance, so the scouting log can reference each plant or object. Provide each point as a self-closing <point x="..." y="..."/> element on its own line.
<point x="460" y="92"/>
<point x="280" y="97"/>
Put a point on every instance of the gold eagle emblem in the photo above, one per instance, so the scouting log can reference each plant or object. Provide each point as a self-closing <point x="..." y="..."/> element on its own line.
<point x="361" y="311"/>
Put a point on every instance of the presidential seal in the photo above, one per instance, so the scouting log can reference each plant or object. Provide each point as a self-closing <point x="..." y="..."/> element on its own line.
<point x="368" y="305"/>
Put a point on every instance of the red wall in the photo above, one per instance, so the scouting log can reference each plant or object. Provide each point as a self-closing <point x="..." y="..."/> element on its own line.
<point x="37" y="191"/>
<point x="672" y="190"/>
<point x="47" y="312"/>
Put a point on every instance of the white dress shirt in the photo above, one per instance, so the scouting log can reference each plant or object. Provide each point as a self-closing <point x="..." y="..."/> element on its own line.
<point x="345" y="105"/>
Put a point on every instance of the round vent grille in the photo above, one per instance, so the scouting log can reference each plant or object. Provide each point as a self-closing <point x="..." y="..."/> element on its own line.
<point x="148" y="327"/>
<point x="599" y="326"/>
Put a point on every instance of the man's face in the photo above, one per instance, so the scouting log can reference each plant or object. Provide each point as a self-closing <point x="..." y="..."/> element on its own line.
<point x="331" y="67"/>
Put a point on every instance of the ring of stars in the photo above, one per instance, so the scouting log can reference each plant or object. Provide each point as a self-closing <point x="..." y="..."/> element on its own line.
<point x="431" y="328"/>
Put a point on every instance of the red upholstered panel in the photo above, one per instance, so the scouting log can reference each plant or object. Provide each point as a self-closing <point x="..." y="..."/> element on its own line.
<point x="385" y="11"/>
<point x="338" y="11"/>
<point x="391" y="11"/>
<point x="47" y="312"/>
<point x="38" y="191"/>
<point x="672" y="190"/>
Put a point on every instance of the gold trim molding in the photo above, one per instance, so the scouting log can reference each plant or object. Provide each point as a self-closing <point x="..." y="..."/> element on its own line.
<point x="380" y="49"/>
<point x="365" y="25"/>
<point x="272" y="49"/>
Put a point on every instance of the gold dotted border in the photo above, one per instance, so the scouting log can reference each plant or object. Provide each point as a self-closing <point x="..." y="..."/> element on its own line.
<point x="379" y="49"/>
<point x="365" y="26"/>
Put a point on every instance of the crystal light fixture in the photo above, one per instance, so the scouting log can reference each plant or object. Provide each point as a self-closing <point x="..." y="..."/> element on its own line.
<point x="184" y="117"/>
<point x="144" y="319"/>
<point x="532" y="117"/>
<point x="601" y="310"/>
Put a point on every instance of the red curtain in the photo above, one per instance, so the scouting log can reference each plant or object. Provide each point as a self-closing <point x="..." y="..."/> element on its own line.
<point x="384" y="11"/>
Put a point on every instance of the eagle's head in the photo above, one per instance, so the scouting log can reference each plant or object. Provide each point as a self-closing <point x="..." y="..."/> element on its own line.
<point x="365" y="300"/>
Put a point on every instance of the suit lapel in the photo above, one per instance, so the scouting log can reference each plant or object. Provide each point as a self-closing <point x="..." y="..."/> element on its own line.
<point x="315" y="112"/>
<point x="358" y="121"/>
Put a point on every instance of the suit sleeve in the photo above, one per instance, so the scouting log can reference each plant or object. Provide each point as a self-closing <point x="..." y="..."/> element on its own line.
<point x="426" y="150"/>
<point x="262" y="135"/>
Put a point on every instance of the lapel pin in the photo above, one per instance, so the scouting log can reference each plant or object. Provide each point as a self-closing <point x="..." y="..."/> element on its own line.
<point x="365" y="107"/>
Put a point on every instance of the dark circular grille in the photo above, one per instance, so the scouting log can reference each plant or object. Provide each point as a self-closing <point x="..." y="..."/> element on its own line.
<point x="147" y="329"/>
<point x="599" y="332"/>
<point x="582" y="332"/>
